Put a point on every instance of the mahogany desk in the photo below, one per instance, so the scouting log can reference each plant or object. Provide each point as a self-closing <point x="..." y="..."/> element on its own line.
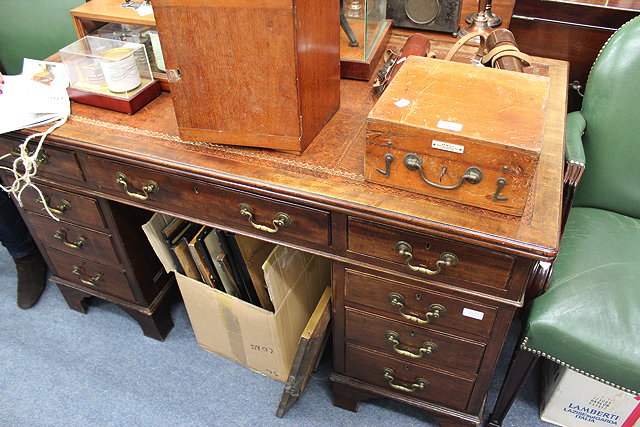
<point x="379" y="349"/>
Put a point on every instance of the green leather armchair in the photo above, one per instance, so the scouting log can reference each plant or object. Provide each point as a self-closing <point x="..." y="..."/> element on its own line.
<point x="589" y="317"/>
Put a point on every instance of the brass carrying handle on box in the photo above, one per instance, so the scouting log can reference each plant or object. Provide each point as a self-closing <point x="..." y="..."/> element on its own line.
<point x="435" y="310"/>
<point x="61" y="234"/>
<point x="472" y="174"/>
<point x="427" y="347"/>
<point x="147" y="190"/>
<point x="282" y="219"/>
<point x="447" y="259"/>
<point x="64" y="205"/>
<point x="92" y="281"/>
<point x="419" y="384"/>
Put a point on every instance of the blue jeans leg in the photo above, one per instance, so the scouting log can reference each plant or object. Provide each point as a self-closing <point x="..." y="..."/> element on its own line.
<point x="13" y="232"/>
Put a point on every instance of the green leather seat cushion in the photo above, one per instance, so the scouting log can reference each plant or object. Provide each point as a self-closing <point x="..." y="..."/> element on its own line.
<point x="589" y="317"/>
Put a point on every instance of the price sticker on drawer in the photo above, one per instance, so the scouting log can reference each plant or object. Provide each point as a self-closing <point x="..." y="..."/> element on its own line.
<point x="474" y="314"/>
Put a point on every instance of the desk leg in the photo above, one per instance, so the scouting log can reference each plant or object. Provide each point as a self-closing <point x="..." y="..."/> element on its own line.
<point x="75" y="299"/>
<point x="346" y="397"/>
<point x="445" y="421"/>
<point x="154" y="325"/>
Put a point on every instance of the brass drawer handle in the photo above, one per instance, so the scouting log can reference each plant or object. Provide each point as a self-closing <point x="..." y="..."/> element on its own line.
<point x="435" y="310"/>
<point x="92" y="281"/>
<point x="64" y="205"/>
<point x="282" y="219"/>
<point x="447" y="259"/>
<point x="472" y="174"/>
<point x="62" y="235"/>
<point x="427" y="347"/>
<point x="419" y="384"/>
<point x="42" y="159"/>
<point x="147" y="190"/>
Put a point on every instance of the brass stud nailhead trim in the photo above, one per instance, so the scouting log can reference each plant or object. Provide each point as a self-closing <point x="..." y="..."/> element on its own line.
<point x="523" y="346"/>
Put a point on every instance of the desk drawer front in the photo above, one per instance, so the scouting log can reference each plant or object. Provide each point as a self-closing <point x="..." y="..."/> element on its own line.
<point x="411" y="344"/>
<point x="210" y="202"/>
<point x="405" y="378"/>
<point x="91" y="275"/>
<point x="472" y="264"/>
<point x="418" y="307"/>
<point x="53" y="162"/>
<point x="74" y="239"/>
<point x="68" y="207"/>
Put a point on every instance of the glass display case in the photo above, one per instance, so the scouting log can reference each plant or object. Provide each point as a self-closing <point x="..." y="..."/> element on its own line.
<point x="143" y="34"/>
<point x="109" y="73"/>
<point x="365" y="33"/>
<point x="107" y="18"/>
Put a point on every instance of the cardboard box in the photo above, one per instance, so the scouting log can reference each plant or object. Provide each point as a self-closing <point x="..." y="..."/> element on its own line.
<point x="459" y="132"/>
<point x="260" y="340"/>
<point x="573" y="400"/>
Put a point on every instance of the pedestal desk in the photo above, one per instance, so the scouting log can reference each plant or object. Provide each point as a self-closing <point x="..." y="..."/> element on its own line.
<point x="387" y="339"/>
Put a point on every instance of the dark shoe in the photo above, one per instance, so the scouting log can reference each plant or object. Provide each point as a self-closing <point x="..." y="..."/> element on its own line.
<point x="32" y="278"/>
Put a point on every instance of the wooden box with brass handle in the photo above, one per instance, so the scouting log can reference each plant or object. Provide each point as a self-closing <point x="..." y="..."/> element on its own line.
<point x="459" y="132"/>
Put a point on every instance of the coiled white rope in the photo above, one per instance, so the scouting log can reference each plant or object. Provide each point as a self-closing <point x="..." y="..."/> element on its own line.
<point x="25" y="167"/>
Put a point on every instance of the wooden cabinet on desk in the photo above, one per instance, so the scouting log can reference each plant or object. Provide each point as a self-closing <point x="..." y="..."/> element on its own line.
<point x="97" y="248"/>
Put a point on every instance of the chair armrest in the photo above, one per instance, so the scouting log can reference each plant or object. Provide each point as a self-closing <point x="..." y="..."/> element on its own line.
<point x="575" y="160"/>
<point x="574" y="151"/>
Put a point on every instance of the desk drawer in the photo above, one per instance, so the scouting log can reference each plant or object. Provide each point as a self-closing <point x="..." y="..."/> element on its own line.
<point x="411" y="344"/>
<point x="93" y="276"/>
<point x="219" y="205"/>
<point x="477" y="265"/>
<point x="69" y="207"/>
<point x="76" y="240"/>
<point x="417" y="306"/>
<point x="401" y="377"/>
<point x="55" y="163"/>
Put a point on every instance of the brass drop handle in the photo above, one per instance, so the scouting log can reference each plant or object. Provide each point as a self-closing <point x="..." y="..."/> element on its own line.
<point x="427" y="347"/>
<point x="147" y="190"/>
<point x="64" y="206"/>
<point x="92" y="281"/>
<point x="419" y="384"/>
<point x="42" y="159"/>
<point x="62" y="235"/>
<point x="447" y="259"/>
<point x="435" y="310"/>
<point x="473" y="174"/>
<point x="282" y="219"/>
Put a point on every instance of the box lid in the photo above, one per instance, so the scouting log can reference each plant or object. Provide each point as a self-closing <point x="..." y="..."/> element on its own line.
<point x="475" y="102"/>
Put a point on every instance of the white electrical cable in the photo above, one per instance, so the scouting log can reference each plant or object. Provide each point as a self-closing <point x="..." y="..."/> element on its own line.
<point x="25" y="167"/>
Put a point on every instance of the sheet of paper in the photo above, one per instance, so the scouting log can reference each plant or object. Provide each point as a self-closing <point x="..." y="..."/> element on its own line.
<point x="35" y="97"/>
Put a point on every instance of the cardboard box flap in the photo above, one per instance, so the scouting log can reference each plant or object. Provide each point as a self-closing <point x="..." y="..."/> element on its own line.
<point x="153" y="229"/>
<point x="430" y="95"/>
<point x="283" y="271"/>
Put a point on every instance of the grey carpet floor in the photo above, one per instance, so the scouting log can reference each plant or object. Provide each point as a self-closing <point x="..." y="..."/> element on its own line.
<point x="59" y="367"/>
